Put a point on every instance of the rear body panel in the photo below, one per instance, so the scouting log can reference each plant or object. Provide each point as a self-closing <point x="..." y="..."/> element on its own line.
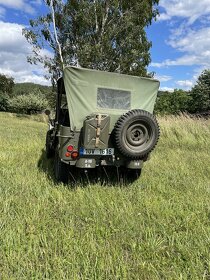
<point x="67" y="137"/>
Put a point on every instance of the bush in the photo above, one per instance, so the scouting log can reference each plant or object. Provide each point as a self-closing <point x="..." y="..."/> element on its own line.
<point x="27" y="104"/>
<point x="6" y="84"/>
<point x="200" y="94"/>
<point x="172" y="102"/>
<point x="4" y="103"/>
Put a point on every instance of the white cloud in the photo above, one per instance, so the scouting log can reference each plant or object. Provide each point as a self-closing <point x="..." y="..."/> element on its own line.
<point x="23" y="5"/>
<point x="195" y="46"/>
<point x="163" y="78"/>
<point x="167" y="89"/>
<point x="187" y="84"/>
<point x="11" y="37"/>
<point x="191" y="9"/>
<point x="163" y="16"/>
<point x="14" y="50"/>
<point x="189" y="36"/>
<point x="195" y="41"/>
<point x="25" y="76"/>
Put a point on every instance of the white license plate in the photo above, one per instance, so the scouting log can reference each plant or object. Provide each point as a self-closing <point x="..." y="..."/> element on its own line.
<point x="97" y="152"/>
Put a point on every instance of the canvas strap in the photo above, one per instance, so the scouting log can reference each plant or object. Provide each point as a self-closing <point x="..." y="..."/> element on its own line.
<point x="98" y="129"/>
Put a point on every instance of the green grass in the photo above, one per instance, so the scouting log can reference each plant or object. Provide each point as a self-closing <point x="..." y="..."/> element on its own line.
<point x="156" y="228"/>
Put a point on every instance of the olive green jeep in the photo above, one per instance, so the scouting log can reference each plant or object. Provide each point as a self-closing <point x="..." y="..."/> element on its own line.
<point x="102" y="120"/>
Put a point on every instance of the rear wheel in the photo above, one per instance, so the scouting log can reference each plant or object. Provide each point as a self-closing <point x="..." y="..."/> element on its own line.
<point x="49" y="149"/>
<point x="61" y="169"/>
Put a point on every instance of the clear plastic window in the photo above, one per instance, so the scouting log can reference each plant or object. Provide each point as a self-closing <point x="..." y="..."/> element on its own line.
<point x="113" y="99"/>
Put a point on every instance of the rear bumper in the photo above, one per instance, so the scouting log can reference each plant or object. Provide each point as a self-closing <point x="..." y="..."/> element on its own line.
<point x="90" y="162"/>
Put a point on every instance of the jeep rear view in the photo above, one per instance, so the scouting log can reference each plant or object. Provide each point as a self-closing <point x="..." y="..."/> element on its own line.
<point x="102" y="120"/>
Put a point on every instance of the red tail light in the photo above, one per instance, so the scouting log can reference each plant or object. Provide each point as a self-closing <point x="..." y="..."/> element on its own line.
<point x="74" y="154"/>
<point x="70" y="148"/>
<point x="67" y="154"/>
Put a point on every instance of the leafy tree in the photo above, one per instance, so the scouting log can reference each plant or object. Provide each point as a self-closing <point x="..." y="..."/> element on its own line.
<point x="6" y="88"/>
<point x="179" y="101"/>
<point x="200" y="93"/>
<point x="172" y="102"/>
<point x="4" y="102"/>
<point x="6" y="84"/>
<point x="101" y="34"/>
<point x="27" y="104"/>
<point x="162" y="105"/>
<point x="45" y="92"/>
<point x="27" y="88"/>
<point x="24" y="97"/>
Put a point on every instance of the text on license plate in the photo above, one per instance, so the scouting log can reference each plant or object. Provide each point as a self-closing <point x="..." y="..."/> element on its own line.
<point x="97" y="152"/>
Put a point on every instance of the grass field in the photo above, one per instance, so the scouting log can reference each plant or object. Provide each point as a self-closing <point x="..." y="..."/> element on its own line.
<point x="156" y="228"/>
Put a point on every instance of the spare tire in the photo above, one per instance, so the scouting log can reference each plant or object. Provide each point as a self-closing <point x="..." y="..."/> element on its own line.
<point x="136" y="133"/>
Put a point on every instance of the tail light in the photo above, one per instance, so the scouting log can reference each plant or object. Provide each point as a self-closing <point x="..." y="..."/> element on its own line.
<point x="67" y="154"/>
<point x="70" y="148"/>
<point x="71" y="152"/>
<point x="74" y="154"/>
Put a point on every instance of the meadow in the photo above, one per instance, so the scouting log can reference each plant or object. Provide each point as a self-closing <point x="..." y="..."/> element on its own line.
<point x="155" y="228"/>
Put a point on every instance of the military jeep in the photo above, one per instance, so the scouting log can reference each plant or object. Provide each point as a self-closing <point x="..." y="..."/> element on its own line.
<point x="103" y="121"/>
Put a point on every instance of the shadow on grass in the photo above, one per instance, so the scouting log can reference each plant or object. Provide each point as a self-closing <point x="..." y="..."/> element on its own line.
<point x="104" y="176"/>
<point x="46" y="165"/>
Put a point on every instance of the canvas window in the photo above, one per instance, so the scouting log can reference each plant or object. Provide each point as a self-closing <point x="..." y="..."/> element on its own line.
<point x="113" y="99"/>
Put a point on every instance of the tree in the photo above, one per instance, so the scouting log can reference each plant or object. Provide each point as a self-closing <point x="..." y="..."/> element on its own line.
<point x="6" y="84"/>
<point x="6" y="88"/>
<point x="200" y="93"/>
<point x="28" y="104"/>
<point x="44" y="92"/>
<point x="101" y="34"/>
<point x="4" y="102"/>
<point x="172" y="102"/>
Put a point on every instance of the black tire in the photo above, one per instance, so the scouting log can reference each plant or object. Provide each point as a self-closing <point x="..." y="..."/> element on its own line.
<point x="49" y="149"/>
<point x="61" y="169"/>
<point x="136" y="133"/>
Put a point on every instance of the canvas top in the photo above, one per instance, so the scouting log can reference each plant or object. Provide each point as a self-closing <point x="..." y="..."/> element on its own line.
<point x="92" y="91"/>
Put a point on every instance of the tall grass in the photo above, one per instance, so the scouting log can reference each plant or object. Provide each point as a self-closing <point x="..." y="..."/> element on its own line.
<point x="156" y="228"/>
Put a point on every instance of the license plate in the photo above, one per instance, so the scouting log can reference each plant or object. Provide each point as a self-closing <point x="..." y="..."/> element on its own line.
<point x="96" y="152"/>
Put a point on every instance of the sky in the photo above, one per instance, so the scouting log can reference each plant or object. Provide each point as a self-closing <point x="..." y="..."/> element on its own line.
<point x="180" y="42"/>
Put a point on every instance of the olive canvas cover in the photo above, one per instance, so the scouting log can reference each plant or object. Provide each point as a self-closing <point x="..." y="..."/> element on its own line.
<point x="92" y="91"/>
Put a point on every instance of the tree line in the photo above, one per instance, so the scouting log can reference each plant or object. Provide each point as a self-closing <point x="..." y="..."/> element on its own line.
<point x="196" y="100"/>
<point x="108" y="35"/>
<point x="28" y="98"/>
<point x="24" y="98"/>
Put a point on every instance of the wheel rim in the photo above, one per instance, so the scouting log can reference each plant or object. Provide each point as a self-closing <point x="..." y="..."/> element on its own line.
<point x="137" y="136"/>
